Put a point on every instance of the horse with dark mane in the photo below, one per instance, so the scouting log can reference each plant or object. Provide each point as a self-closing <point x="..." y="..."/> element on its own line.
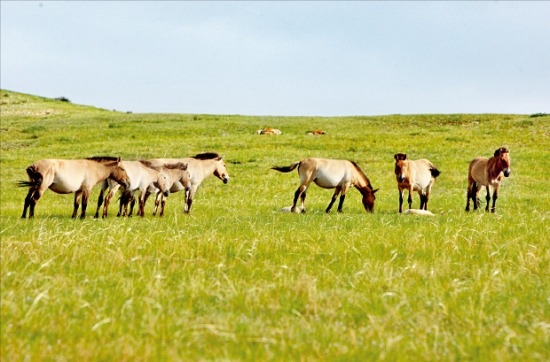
<point x="199" y="167"/>
<point x="340" y="175"/>
<point x="414" y="175"/>
<point x="70" y="176"/>
<point x="487" y="172"/>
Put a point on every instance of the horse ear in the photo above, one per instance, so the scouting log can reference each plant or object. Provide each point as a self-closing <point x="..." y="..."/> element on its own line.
<point x="118" y="159"/>
<point x="374" y="191"/>
<point x="395" y="157"/>
<point x="400" y="156"/>
<point x="497" y="152"/>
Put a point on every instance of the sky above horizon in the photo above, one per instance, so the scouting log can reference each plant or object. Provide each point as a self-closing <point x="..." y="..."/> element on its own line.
<point x="281" y="58"/>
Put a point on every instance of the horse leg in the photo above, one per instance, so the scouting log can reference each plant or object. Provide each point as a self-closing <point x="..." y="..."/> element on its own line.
<point x="401" y="192"/>
<point x="76" y="204"/>
<point x="487" y="198"/>
<point x="162" y="204"/>
<point x="332" y="200"/>
<point x="300" y="192"/>
<point x="410" y="199"/>
<point x="341" y="203"/>
<point x="132" y="201"/>
<point x="423" y="202"/>
<point x="141" y="211"/>
<point x="109" y="197"/>
<point x="495" y="197"/>
<point x="158" y="197"/>
<point x="189" y="193"/>
<point x="85" y="195"/>
<point x="30" y="201"/>
<point x="469" y="196"/>
<point x="99" y="202"/>
<point x="475" y="196"/>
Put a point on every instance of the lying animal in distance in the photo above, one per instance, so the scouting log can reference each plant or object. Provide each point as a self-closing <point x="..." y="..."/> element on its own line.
<point x="316" y="132"/>
<point x="269" y="131"/>
<point x="487" y="172"/>
<point x="331" y="174"/>
<point x="414" y="175"/>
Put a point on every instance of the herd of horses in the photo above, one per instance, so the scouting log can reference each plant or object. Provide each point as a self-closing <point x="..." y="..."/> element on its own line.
<point x="162" y="176"/>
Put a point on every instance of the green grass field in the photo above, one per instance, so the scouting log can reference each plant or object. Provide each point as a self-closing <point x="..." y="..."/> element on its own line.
<point x="238" y="280"/>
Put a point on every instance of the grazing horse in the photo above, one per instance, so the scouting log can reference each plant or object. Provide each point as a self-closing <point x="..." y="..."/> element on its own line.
<point x="487" y="172"/>
<point x="68" y="176"/>
<point x="331" y="174"/>
<point x="199" y="167"/>
<point x="414" y="175"/>
<point x="142" y="176"/>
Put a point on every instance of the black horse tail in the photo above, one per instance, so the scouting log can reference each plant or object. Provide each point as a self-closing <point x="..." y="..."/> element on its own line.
<point x="434" y="171"/>
<point x="35" y="178"/>
<point x="286" y="168"/>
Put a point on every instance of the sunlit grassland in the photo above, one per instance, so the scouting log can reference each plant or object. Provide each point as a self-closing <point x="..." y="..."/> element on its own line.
<point x="237" y="280"/>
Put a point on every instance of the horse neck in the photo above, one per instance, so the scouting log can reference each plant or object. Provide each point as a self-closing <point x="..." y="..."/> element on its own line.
<point x="361" y="182"/>
<point x="201" y="169"/>
<point x="105" y="170"/>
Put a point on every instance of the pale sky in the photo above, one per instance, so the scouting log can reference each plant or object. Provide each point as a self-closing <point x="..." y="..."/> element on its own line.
<point x="281" y="58"/>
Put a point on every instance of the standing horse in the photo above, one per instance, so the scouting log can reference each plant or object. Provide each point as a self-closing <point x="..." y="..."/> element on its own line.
<point x="199" y="167"/>
<point x="487" y="172"/>
<point x="68" y="176"/>
<point x="141" y="176"/>
<point x="331" y="174"/>
<point x="177" y="180"/>
<point x="414" y="175"/>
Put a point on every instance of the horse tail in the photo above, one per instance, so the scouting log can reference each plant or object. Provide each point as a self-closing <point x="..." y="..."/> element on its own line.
<point x="286" y="168"/>
<point x="434" y="171"/>
<point x="34" y="176"/>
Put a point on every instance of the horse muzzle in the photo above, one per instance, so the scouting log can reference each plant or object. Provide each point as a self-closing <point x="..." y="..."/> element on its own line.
<point x="225" y="180"/>
<point x="400" y="178"/>
<point x="507" y="172"/>
<point x="166" y="193"/>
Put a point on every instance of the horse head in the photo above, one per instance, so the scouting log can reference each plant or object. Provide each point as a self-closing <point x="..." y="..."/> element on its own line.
<point x="504" y="160"/>
<point x="118" y="173"/>
<point x="221" y="171"/>
<point x="368" y="199"/>
<point x="401" y="167"/>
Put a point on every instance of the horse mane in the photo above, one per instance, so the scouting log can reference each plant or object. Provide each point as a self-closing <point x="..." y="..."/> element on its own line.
<point x="149" y="164"/>
<point x="206" y="156"/>
<point x="360" y="171"/>
<point x="103" y="158"/>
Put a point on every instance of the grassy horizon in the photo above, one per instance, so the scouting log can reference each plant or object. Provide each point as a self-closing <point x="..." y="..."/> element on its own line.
<point x="238" y="280"/>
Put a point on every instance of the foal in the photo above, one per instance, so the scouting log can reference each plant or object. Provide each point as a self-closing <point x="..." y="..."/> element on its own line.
<point x="487" y="172"/>
<point x="414" y="175"/>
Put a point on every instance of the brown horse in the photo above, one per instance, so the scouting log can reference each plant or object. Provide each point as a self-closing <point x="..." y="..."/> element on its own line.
<point x="487" y="172"/>
<point x="414" y="175"/>
<point x="68" y="176"/>
<point x="331" y="174"/>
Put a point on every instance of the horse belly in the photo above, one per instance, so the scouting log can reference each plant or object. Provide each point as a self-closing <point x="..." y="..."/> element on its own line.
<point x="328" y="181"/>
<point x="176" y="186"/>
<point x="62" y="188"/>
<point x="67" y="182"/>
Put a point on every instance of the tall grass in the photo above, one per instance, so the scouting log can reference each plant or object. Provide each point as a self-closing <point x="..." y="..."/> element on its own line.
<point x="237" y="280"/>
